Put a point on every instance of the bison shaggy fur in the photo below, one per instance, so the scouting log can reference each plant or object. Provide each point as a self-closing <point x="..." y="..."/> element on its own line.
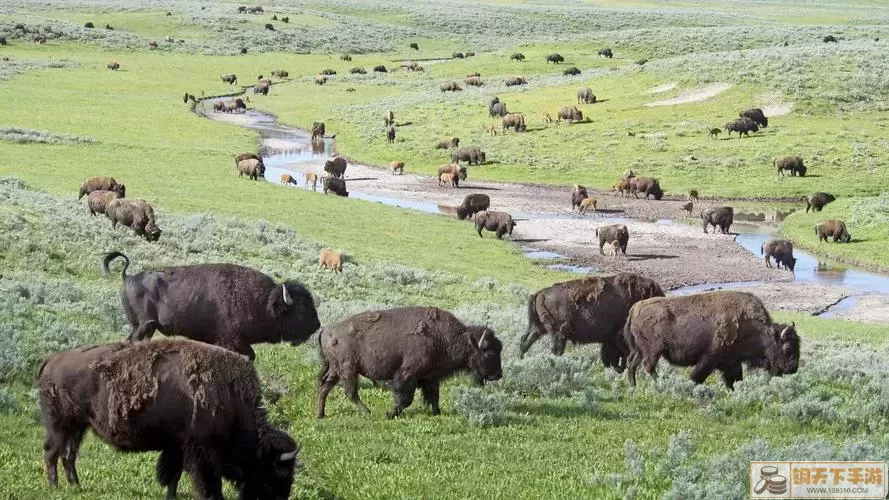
<point x="818" y="200"/>
<point x="331" y="260"/>
<point x="833" y="228"/>
<point x="756" y="115"/>
<point x="98" y="200"/>
<point x="335" y="185"/>
<point x="648" y="186"/>
<point x="718" y="217"/>
<point x="781" y="250"/>
<point x="137" y="215"/>
<point x="499" y="223"/>
<point x="742" y="125"/>
<point x="473" y="156"/>
<point x="336" y="167"/>
<point x="101" y="184"/>
<point x="473" y="204"/>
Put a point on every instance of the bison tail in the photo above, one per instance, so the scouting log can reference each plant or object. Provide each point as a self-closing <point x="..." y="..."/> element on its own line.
<point x="110" y="257"/>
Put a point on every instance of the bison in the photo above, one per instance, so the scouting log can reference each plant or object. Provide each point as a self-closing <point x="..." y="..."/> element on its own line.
<point x="457" y="55"/>
<point x="497" y="109"/>
<point x="345" y="57"/>
<point x="114" y="66"/>
<point x="287" y="179"/>
<point x="518" y="56"/>
<point x="818" y="200"/>
<point x="311" y="178"/>
<point x="448" y="143"/>
<point x="710" y="331"/>
<point x="337" y="186"/>
<point x="586" y="96"/>
<point x="833" y="228"/>
<point x="474" y="81"/>
<point x="101" y="184"/>
<point x="454" y="169"/>
<point x="742" y="125"/>
<point x="647" y="185"/>
<point x="606" y="53"/>
<point x="229" y="78"/>
<point x="692" y="195"/>
<point x="450" y="87"/>
<point x="555" y="58"/>
<point x="380" y="69"/>
<point x="473" y="156"/>
<point x="137" y="215"/>
<point x="328" y="72"/>
<point x="570" y="114"/>
<point x="262" y="88"/>
<point x="318" y="131"/>
<point x="572" y="71"/>
<point x="410" y="347"/>
<point x="714" y="133"/>
<point x="199" y="405"/>
<point x="280" y="73"/>
<point x="586" y="204"/>
<point x="829" y="38"/>
<point x="687" y="208"/>
<point x="227" y="305"/>
<point x="756" y="115"/>
<point x="781" y="250"/>
<point x="473" y="204"/>
<point x="613" y="232"/>
<point x="336" y="167"/>
<point x="397" y="167"/>
<point x="624" y="186"/>
<point x="792" y="163"/>
<point x="320" y="80"/>
<point x="98" y="200"/>
<point x="390" y="134"/>
<point x="389" y="118"/>
<point x="718" y="217"/>
<point x="499" y="223"/>
<point x="414" y="46"/>
<point x="246" y="156"/>
<point x="516" y="121"/>
<point x="578" y="194"/>
<point x="357" y="70"/>
<point x="331" y="260"/>
<point x="252" y="168"/>
<point x="512" y="81"/>
<point x="587" y="310"/>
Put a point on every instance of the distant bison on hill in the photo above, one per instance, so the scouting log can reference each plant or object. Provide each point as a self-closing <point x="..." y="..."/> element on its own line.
<point x="518" y="56"/>
<point x="229" y="78"/>
<point x="572" y="71"/>
<point x="473" y="156"/>
<point x="555" y="58"/>
<point x="414" y="46"/>
<point x="512" y="81"/>
<point x="114" y="66"/>
<point x="358" y="71"/>
<point x="606" y="53"/>
<point x="380" y="69"/>
<point x="586" y="96"/>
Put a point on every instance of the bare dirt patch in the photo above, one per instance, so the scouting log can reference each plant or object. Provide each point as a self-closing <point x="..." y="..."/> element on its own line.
<point x="661" y="88"/>
<point x="698" y="95"/>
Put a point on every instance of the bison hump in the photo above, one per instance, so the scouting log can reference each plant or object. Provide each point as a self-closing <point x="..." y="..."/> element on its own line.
<point x="585" y="290"/>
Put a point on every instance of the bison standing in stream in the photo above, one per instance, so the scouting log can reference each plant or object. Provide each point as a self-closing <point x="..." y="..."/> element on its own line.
<point x="710" y="331"/>
<point x="410" y="347"/>
<point x="587" y="310"/>
<point x="197" y="404"/>
<point x="335" y="186"/>
<point x="718" y="217"/>
<point x="227" y="305"/>
<point x="781" y="250"/>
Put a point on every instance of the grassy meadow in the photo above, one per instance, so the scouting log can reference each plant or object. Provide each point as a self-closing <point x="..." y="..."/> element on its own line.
<point x="553" y="426"/>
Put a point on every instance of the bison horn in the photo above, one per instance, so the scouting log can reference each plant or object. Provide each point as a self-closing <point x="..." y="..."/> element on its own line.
<point x="287" y="299"/>
<point x="286" y="457"/>
<point x="785" y="330"/>
<point x="481" y="339"/>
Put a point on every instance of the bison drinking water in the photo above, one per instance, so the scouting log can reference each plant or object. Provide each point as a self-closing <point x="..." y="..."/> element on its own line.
<point x="586" y="96"/>
<point x="781" y="250"/>
<point x="197" y="404"/>
<point x="710" y="331"/>
<point x="410" y="347"/>
<point x="222" y="304"/>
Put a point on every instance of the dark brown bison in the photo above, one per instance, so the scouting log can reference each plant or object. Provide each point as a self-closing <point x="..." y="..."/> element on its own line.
<point x="829" y="38"/>
<point x="358" y="71"/>
<point x="230" y="78"/>
<point x="518" y="56"/>
<point x="792" y="163"/>
<point x="741" y="126"/>
<point x="261" y="88"/>
<point x="578" y="194"/>
<point x="318" y="131"/>
<point x="335" y="185"/>
<point x="473" y="204"/>
<point x="450" y="87"/>
<point x="101" y="184"/>
<point x="555" y="58"/>
<point x="515" y="121"/>
<point x="833" y="228"/>
<point x="252" y="168"/>
<point x="336" y="167"/>
<point x="587" y="310"/>
<point x="714" y="133"/>
<point x="410" y="347"/>
<point x="606" y="53"/>
<point x="2" y="40"/>
<point x="572" y="71"/>
<point x="648" y="186"/>
<point x="457" y="55"/>
<point x="137" y="215"/>
<point x="114" y="66"/>
<point x="710" y="331"/>
<point x="380" y="69"/>
<point x="448" y="143"/>
<point x="197" y="404"/>
<point x="389" y="118"/>
<point x="414" y="46"/>
<point x="227" y="305"/>
<point x="512" y="81"/>
<point x="473" y="156"/>
<point x="781" y="250"/>
<point x="613" y="232"/>
<point x="586" y="96"/>
<point x="454" y="169"/>
<point x="98" y="200"/>
<point x="756" y="115"/>
<point x="570" y="114"/>
<point x="818" y="200"/>
<point x="390" y="135"/>
<point x="499" y="223"/>
<point x="269" y="27"/>
<point x="328" y="72"/>
<point x="718" y="217"/>
<point x="345" y="57"/>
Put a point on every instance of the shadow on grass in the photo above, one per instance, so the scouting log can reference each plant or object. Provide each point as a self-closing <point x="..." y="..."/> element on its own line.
<point x="404" y="124"/>
<point x="559" y="411"/>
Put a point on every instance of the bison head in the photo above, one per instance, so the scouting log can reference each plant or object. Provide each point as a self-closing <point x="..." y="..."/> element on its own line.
<point x="152" y="233"/>
<point x="846" y="237"/>
<point x="121" y="190"/>
<point x="484" y="357"/>
<point x="273" y="469"/>
<point x="802" y="170"/>
<point x="784" y="360"/>
<point x="790" y="263"/>
<point x="481" y="157"/>
<point x="461" y="173"/>
<point x="292" y="307"/>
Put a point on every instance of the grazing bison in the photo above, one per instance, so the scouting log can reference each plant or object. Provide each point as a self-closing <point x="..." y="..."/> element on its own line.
<point x="578" y="194"/>
<point x="516" y="121"/>
<point x="450" y="87"/>
<point x="718" y="217"/>
<point x="742" y="125"/>
<point x="454" y="169"/>
<point x="473" y="204"/>
<point x="555" y="58"/>
<point x="781" y="250"/>
<point x="287" y="179"/>
<point x="280" y="73"/>
<point x="358" y="71"/>
<point x="518" y="56"/>
<point x="252" y="168"/>
<point x="692" y="195"/>
<point x="336" y="167"/>
<point x="137" y="215"/>
<point x="246" y="156"/>
<point x="572" y="71"/>
<point x="497" y="109"/>
<point x="648" y="186"/>
<point x="235" y="105"/>
<point x="447" y="178"/>
<point x="710" y="331"/>
<point x="311" y="178"/>
<point x="337" y="186"/>
<point x="470" y="54"/>
<point x="397" y="167"/>
<point x="114" y="66"/>
<point x="474" y="74"/>
<point x="414" y="46"/>
<point x="473" y="156"/>
<point x="101" y="184"/>
<point x="390" y="134"/>
<point x="345" y="57"/>
<point x="499" y="223"/>
<point x="410" y="347"/>
<point x="389" y="118"/>
<point x="587" y="310"/>
<point x="474" y="81"/>
<point x="818" y="200"/>
<point x="199" y="405"/>
<point x="611" y="233"/>
<point x="546" y="118"/>
<point x="570" y="114"/>
<point x="457" y="55"/>
<point x="833" y="228"/>
<point x="229" y="78"/>
<point x="269" y="27"/>
<point x="89" y="24"/>
<point x="256" y="9"/>
<point x="227" y="305"/>
<point x="380" y="69"/>
<point x="331" y="260"/>
<point x="714" y="133"/>
<point x="829" y="38"/>
<point x="318" y="131"/>
<point x="98" y="200"/>
<point x="586" y="204"/>
<point x="606" y="53"/>
<point x="756" y="115"/>
<point x="792" y="163"/>
<point x="512" y="81"/>
<point x="320" y="80"/>
<point x="586" y="96"/>
<point x="448" y="143"/>
<point x="328" y="72"/>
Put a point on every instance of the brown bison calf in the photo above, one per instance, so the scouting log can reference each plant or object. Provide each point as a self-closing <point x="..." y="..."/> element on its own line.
<point x="624" y="187"/>
<point x="687" y="208"/>
<point x="586" y="204"/>
<point x="833" y="228"/>
<point x="397" y="167"/>
<point x="101" y="184"/>
<point x="410" y="347"/>
<point x="137" y="215"/>
<point x="311" y="177"/>
<point x="197" y="404"/>
<point x="287" y="179"/>
<point x="98" y="200"/>
<point x="499" y="223"/>
<point x="611" y="233"/>
<point x="781" y="250"/>
<point x="331" y="260"/>
<point x="446" y="178"/>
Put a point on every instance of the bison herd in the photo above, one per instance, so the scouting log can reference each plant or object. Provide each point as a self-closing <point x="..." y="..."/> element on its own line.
<point x="107" y="196"/>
